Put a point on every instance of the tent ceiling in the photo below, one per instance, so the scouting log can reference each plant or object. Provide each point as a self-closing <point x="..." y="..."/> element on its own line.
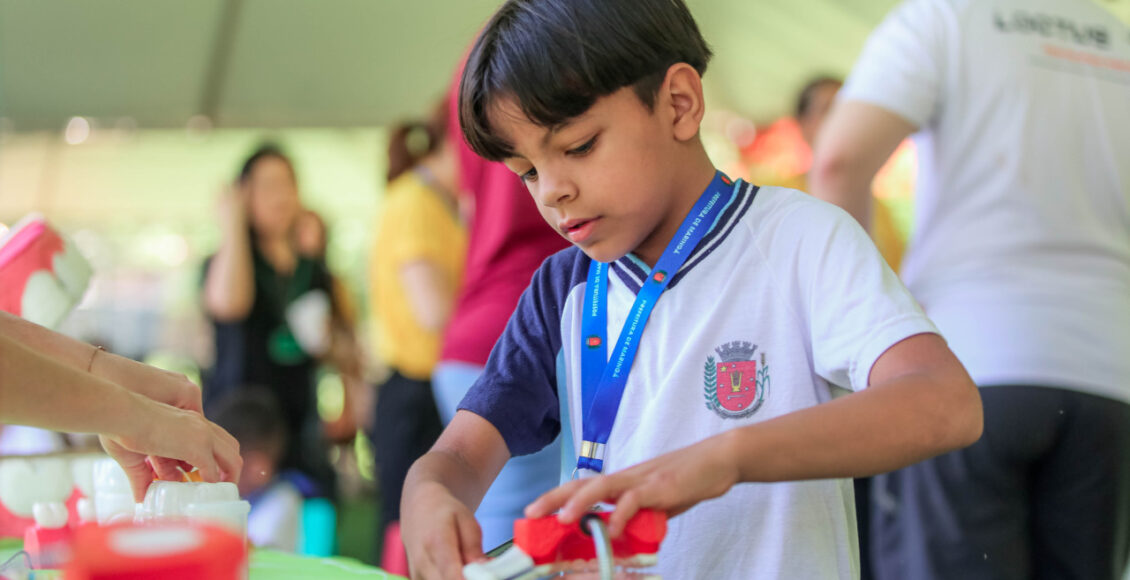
<point x="293" y="63"/>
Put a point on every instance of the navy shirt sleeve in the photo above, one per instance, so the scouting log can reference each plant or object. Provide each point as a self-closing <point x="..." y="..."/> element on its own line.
<point x="517" y="391"/>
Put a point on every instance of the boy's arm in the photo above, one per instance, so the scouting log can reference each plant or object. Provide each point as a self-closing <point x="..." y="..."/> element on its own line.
<point x="441" y="492"/>
<point x="920" y="403"/>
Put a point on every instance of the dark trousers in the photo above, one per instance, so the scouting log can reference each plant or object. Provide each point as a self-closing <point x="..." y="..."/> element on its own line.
<point x="1045" y="494"/>
<point x="404" y="428"/>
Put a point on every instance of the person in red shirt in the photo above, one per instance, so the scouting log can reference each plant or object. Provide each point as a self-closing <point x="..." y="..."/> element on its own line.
<point x="508" y="241"/>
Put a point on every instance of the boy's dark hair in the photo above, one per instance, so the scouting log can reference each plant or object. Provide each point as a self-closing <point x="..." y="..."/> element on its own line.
<point x="556" y="57"/>
<point x="804" y="99"/>
<point x="254" y="418"/>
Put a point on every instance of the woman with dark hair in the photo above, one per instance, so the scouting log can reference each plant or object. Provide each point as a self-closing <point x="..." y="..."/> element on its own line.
<point x="415" y="266"/>
<point x="250" y="284"/>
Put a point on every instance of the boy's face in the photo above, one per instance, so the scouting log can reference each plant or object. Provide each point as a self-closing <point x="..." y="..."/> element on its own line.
<point x="602" y="179"/>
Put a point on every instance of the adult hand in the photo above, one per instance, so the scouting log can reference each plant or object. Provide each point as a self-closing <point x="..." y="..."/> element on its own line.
<point x="232" y="208"/>
<point x="160" y="385"/>
<point x="172" y="437"/>
<point x="439" y="532"/>
<point x="673" y="483"/>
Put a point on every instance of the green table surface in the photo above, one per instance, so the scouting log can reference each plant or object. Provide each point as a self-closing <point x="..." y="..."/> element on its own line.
<point x="265" y="565"/>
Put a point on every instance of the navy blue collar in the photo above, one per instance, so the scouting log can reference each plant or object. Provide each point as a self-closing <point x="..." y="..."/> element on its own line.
<point x="632" y="271"/>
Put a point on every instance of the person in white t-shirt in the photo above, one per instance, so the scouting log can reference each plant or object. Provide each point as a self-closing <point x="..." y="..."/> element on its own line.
<point x="764" y="303"/>
<point x="1021" y="256"/>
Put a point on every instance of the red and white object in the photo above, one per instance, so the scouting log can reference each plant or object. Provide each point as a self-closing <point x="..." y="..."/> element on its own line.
<point x="544" y="546"/>
<point x="25" y="482"/>
<point x="42" y="274"/>
<point x="165" y="551"/>
<point x="48" y="542"/>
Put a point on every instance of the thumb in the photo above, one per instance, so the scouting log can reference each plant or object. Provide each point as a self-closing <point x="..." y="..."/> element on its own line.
<point x="140" y="476"/>
<point x="137" y="469"/>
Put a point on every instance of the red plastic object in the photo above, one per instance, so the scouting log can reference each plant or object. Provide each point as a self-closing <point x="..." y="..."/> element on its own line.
<point x="547" y="540"/>
<point x="167" y="551"/>
<point x="48" y="547"/>
<point x="13" y="526"/>
<point x="29" y="249"/>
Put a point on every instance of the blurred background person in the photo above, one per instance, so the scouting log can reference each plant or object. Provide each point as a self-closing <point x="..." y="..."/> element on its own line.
<point x="254" y="418"/>
<point x="416" y="264"/>
<point x="333" y="335"/>
<point x="250" y="286"/>
<point x="508" y="241"/>
<point x="1021" y="256"/>
<point x="811" y="109"/>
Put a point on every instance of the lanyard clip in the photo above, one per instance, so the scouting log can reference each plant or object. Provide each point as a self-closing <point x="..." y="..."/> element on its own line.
<point x="593" y="450"/>
<point x="591" y="458"/>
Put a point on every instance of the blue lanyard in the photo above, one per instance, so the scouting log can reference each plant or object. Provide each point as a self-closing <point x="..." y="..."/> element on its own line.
<point x="603" y="379"/>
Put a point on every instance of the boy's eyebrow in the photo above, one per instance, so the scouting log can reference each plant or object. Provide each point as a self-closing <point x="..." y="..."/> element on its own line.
<point x="559" y="127"/>
<point x="555" y="129"/>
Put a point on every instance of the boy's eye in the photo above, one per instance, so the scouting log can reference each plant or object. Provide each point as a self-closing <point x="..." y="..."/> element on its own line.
<point x="583" y="149"/>
<point x="529" y="176"/>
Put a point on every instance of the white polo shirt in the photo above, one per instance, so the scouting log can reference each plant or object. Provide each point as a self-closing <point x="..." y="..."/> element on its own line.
<point x="784" y="302"/>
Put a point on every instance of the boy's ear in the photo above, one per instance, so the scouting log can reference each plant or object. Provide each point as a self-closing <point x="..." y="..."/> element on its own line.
<point x="682" y="91"/>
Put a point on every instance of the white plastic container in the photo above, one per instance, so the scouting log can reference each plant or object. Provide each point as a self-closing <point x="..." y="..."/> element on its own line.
<point x="214" y="503"/>
<point x="113" y="498"/>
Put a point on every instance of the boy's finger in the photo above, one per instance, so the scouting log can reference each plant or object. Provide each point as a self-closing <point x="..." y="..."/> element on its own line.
<point x="470" y="540"/>
<point x="593" y="492"/>
<point x="626" y="507"/>
<point x="553" y="499"/>
<point x="446" y="556"/>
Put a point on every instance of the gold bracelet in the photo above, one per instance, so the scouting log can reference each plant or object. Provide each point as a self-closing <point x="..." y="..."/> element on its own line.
<point x="90" y="365"/>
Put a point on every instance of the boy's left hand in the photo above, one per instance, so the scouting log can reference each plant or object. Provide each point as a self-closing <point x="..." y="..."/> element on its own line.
<point x="673" y="483"/>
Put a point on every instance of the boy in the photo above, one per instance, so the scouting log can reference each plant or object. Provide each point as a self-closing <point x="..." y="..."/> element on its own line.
<point x="253" y="416"/>
<point x="773" y="302"/>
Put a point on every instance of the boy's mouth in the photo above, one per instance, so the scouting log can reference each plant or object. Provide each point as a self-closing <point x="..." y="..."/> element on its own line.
<point x="578" y="230"/>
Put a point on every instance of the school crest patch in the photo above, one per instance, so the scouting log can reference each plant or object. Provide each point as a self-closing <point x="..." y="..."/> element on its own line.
<point x="735" y="385"/>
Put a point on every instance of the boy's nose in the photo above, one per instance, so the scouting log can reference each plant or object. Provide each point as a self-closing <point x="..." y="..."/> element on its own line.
<point x="553" y="192"/>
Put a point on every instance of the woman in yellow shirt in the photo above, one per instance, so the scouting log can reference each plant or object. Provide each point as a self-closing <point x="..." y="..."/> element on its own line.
<point x="416" y="265"/>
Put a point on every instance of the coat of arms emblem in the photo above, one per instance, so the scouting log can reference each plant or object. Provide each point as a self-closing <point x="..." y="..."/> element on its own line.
<point x="735" y="386"/>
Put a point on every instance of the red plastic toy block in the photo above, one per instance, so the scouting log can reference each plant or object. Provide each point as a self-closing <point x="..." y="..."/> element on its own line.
<point x="48" y="547"/>
<point x="547" y="540"/>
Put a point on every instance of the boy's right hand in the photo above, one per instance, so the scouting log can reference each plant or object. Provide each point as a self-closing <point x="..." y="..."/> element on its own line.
<point x="439" y="532"/>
